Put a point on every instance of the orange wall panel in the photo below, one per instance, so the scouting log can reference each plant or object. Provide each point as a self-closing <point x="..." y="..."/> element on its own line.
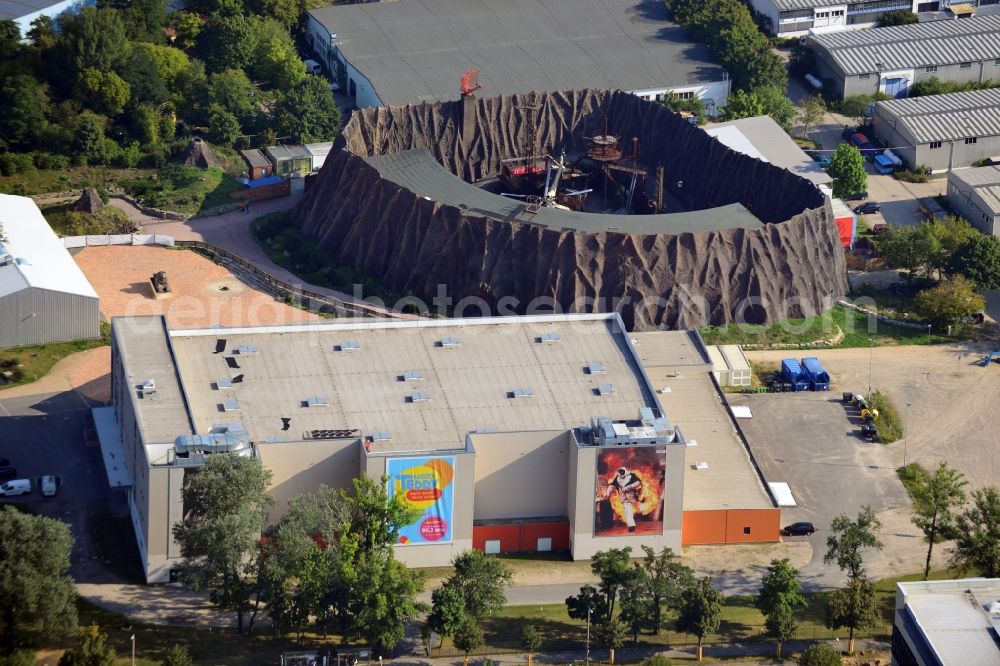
<point x="509" y="535"/>
<point x="702" y="527"/>
<point x="558" y="532"/>
<point x="727" y="526"/>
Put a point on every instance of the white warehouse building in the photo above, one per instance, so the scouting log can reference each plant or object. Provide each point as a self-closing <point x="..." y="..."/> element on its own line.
<point x="397" y="53"/>
<point x="44" y="296"/>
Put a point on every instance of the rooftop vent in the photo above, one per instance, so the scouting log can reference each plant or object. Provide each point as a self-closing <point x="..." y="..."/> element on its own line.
<point x="225" y="383"/>
<point x="701" y="465"/>
<point x="449" y="342"/>
<point x="522" y="393"/>
<point x="148" y="387"/>
<point x="381" y="436"/>
<point x="605" y="389"/>
<point x="231" y="362"/>
<point x="412" y="376"/>
<point x="247" y="349"/>
<point x="549" y="337"/>
<point x="348" y="345"/>
<point x="316" y="401"/>
<point x="420" y="396"/>
<point x="692" y="442"/>
<point x="231" y="405"/>
<point x="596" y="368"/>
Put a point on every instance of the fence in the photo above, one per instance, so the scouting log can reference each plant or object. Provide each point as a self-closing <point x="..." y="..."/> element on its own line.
<point x="295" y="294"/>
<point x="71" y="242"/>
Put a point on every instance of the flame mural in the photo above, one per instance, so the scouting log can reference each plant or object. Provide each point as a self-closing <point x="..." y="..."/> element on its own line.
<point x="631" y="502"/>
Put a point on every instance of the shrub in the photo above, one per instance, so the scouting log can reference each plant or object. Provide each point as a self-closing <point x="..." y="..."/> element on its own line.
<point x="890" y="426"/>
<point x="50" y="161"/>
<point x="820" y="654"/>
<point x="12" y="164"/>
<point x="19" y="658"/>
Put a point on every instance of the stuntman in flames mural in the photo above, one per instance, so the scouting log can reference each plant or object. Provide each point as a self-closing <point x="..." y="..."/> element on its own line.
<point x="630" y="482"/>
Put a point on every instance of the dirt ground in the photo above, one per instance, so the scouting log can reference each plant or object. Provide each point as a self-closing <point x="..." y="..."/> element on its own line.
<point x="204" y="293"/>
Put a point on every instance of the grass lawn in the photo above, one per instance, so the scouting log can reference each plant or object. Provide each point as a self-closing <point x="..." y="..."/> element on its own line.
<point x="797" y="332"/>
<point x="911" y="475"/>
<point x="40" y="181"/>
<point x="183" y="189"/>
<point x="889" y="424"/>
<point x="68" y="222"/>
<point x="33" y="362"/>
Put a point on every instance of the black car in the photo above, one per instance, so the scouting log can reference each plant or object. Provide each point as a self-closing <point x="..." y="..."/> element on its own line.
<point x="868" y="207"/>
<point x="857" y="196"/>
<point x="8" y="472"/>
<point x="798" y="529"/>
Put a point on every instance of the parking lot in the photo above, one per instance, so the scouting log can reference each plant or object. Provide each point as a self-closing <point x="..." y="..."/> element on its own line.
<point x="898" y="198"/>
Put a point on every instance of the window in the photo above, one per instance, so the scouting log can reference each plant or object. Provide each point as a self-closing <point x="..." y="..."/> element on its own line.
<point x="997" y="62"/>
<point x="931" y="69"/>
<point x="970" y="140"/>
<point x="935" y="144"/>
<point x="746" y="530"/>
<point x="686" y="94"/>
<point x="965" y="65"/>
<point x="864" y="77"/>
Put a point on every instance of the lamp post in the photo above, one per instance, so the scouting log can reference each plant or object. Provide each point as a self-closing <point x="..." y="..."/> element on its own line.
<point x="906" y="431"/>
<point x="589" y="613"/>
<point x="133" y="649"/>
<point x="871" y="361"/>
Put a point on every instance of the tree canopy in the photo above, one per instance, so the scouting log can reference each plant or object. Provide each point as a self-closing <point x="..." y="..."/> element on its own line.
<point x="850" y="538"/>
<point x="897" y="17"/>
<point x="848" y="171"/>
<point x="951" y="300"/>
<point x="977" y="534"/>
<point x="936" y="496"/>
<point x="780" y="594"/>
<point x="700" y="611"/>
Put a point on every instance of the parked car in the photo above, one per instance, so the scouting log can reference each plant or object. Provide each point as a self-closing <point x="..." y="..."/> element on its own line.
<point x="49" y="484"/>
<point x="15" y="487"/>
<point x="7" y="472"/>
<point x="868" y="208"/>
<point x="798" y="529"/>
<point x="857" y="196"/>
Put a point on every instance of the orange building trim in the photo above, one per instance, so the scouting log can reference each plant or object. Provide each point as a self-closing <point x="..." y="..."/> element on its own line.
<point x="521" y="537"/>
<point x="722" y="526"/>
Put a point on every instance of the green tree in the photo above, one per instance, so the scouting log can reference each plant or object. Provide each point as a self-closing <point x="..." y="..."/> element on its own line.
<point x="936" y="496"/>
<point x="170" y="62"/>
<point x="855" y="608"/>
<point x="228" y="42"/>
<point x="636" y="608"/>
<point x="978" y="259"/>
<point x="819" y="654"/>
<point x="780" y="594"/>
<point x="656" y="660"/>
<point x="611" y="634"/>
<point x="693" y="105"/>
<point x="531" y="640"/>
<point x="383" y="596"/>
<point x="233" y="91"/>
<point x="766" y="101"/>
<point x="700" y="612"/>
<point x="23" y="100"/>
<point x="447" y="610"/>
<point x="10" y="39"/>
<point x="105" y="92"/>
<point x="275" y="59"/>
<point x="145" y="20"/>
<point x="94" y="38"/>
<point x="88" y="138"/>
<point x="223" y="127"/>
<point x="285" y="12"/>
<point x="178" y="655"/>
<point x="143" y="75"/>
<point x="590" y="602"/>
<point x="92" y="650"/>
<point x="977" y="530"/>
<point x="952" y="299"/>
<point x="225" y="503"/>
<point x="482" y="579"/>
<point x="468" y="638"/>
<point x="850" y="538"/>
<point x="188" y="27"/>
<point x="145" y="125"/>
<point x="291" y="577"/>
<point x="848" y="171"/>
<point x="855" y="107"/>
<point x="37" y="596"/>
<point x="307" y="113"/>
<point x="811" y="112"/>
<point x="897" y="17"/>
<point x="666" y="578"/>
<point x="613" y="567"/>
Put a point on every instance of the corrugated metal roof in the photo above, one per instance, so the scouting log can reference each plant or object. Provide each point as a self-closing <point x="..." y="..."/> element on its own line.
<point x="788" y="5"/>
<point x="416" y="51"/>
<point x="946" y="117"/>
<point x="255" y="158"/>
<point x="15" y="9"/>
<point x="916" y="45"/>
<point x="293" y="152"/>
<point x="40" y="258"/>
<point x="771" y="144"/>
<point x="985" y="181"/>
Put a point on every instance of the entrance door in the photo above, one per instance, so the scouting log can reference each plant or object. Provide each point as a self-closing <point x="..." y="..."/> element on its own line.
<point x="896" y="87"/>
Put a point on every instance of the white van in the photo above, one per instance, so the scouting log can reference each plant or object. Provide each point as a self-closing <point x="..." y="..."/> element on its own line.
<point x="15" y="487"/>
<point x="312" y="67"/>
<point x="49" y="484"/>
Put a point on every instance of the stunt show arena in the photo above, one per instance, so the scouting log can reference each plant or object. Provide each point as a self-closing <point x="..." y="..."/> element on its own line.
<point x="597" y="200"/>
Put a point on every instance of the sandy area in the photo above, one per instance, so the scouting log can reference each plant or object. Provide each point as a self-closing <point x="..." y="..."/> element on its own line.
<point x="204" y="293"/>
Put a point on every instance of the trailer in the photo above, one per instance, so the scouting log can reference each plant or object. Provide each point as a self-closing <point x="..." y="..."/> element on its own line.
<point x="794" y="375"/>
<point x="819" y="379"/>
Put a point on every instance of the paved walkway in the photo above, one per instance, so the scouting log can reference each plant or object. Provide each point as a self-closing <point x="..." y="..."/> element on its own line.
<point x="231" y="231"/>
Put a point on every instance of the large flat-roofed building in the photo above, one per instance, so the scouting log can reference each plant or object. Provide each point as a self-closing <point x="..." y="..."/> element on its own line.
<point x="942" y="132"/>
<point x="891" y="60"/>
<point x="975" y="195"/>
<point x="531" y="433"/>
<point x="44" y="296"/>
<point x="945" y="622"/>
<point x="397" y="53"/>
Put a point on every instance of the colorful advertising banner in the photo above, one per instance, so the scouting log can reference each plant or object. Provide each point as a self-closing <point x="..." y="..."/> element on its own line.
<point x="427" y="484"/>
<point x="630" y="483"/>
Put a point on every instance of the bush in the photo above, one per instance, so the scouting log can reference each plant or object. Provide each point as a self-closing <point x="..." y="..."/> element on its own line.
<point x="50" y="161"/>
<point x="19" y="658"/>
<point x="820" y="654"/>
<point x="890" y="426"/>
<point x="656" y="660"/>
<point x="920" y="175"/>
<point x="12" y="164"/>
<point x="178" y="656"/>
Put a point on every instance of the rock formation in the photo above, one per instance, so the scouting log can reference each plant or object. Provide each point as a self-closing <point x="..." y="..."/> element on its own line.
<point x="791" y="266"/>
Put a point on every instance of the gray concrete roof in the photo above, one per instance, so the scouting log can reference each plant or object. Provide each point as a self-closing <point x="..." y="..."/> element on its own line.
<point x="255" y="157"/>
<point x="946" y="117"/>
<point x="985" y="181"/>
<point x="677" y="360"/>
<point x="952" y="617"/>
<point x="916" y="45"/>
<point x="773" y="145"/>
<point x="416" y="51"/>
<point x="418" y="171"/>
<point x="468" y="386"/>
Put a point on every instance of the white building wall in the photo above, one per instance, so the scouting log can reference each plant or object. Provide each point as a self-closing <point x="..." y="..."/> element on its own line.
<point x="714" y="94"/>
